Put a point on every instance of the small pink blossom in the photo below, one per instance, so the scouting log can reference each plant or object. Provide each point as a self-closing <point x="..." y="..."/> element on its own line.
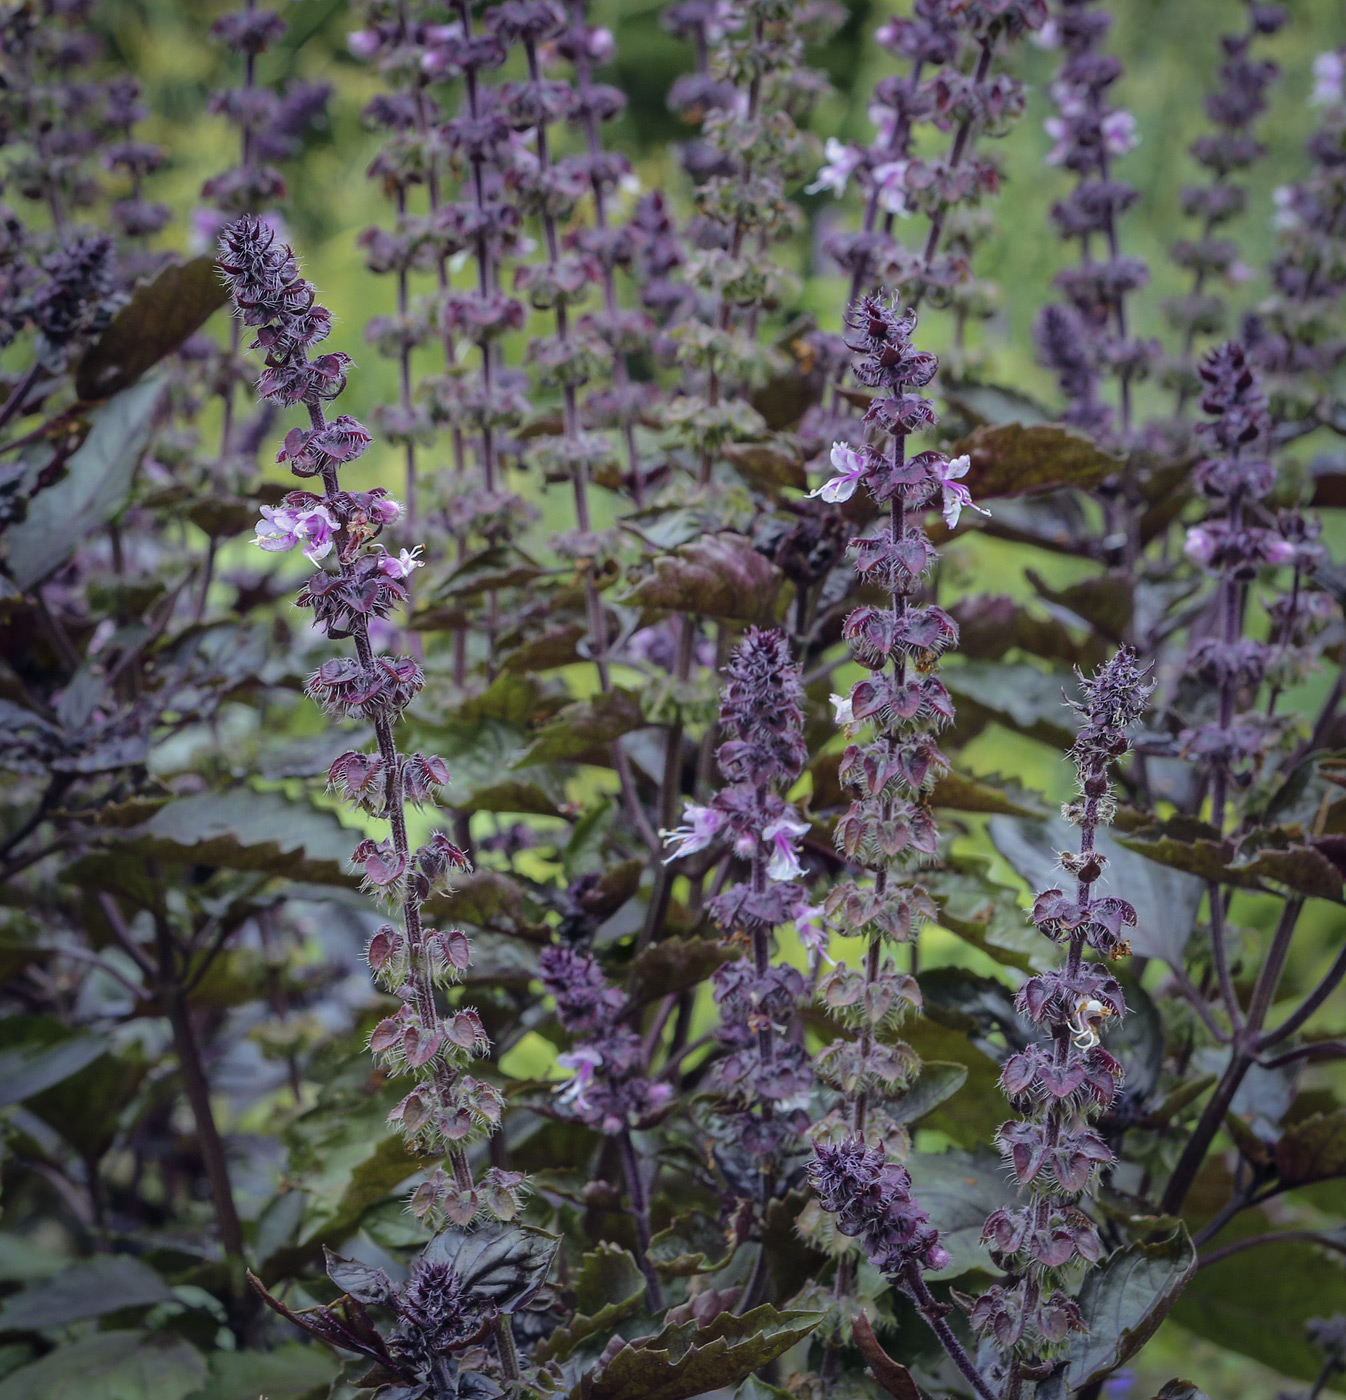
<point x="1329" y="79"/>
<point x="782" y="835"/>
<point x="957" y="498"/>
<point x="1278" y="552"/>
<point x="1200" y="545"/>
<point x="700" y="827"/>
<point x="401" y="565"/>
<point x="843" y="709"/>
<point x="842" y="162"/>
<point x="581" y="1063"/>
<point x="312" y="528"/>
<point x="1119" y="133"/>
<point x="891" y="183"/>
<point x="386" y="510"/>
<point x="850" y="467"/>
<point x="812" y="932"/>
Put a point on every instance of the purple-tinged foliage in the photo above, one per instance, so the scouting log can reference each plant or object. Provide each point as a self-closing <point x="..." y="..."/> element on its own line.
<point x="1062" y="1082"/>
<point x="447" y="1106"/>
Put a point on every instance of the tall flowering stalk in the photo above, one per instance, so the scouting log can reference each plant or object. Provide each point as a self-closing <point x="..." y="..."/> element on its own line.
<point x="889" y="830"/>
<point x="1237" y="539"/>
<point x="1085" y="338"/>
<point x="1064" y="1081"/>
<point x="763" y="1072"/>
<point x="606" y="1085"/>
<point x="446" y="1107"/>
<point x="1225" y="153"/>
<point x="1295" y="337"/>
<point x="950" y="83"/>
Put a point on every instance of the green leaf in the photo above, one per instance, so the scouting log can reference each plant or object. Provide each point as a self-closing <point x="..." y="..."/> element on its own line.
<point x="111" y="1366"/>
<point x="292" y="1371"/>
<point x="986" y="913"/>
<point x="91" y="1288"/>
<point x="692" y="1244"/>
<point x="994" y="403"/>
<point x="1021" y="697"/>
<point x="161" y="314"/>
<point x="1124" y="1300"/>
<point x="675" y="965"/>
<point x="239" y="829"/>
<point x="777" y="463"/>
<point x="583" y="729"/>
<point x="686" y="1360"/>
<point x="86" y="1108"/>
<point x="95" y="486"/>
<point x="608" y="1289"/>
<point x="965" y="792"/>
<point x="1165" y="900"/>
<point x="1255" y="1303"/>
<point x="960" y="1189"/>
<point x="938" y="1080"/>
<point x="1314" y="1149"/>
<point x="37" y="1052"/>
<point x="719" y="576"/>
<point x="1105" y="601"/>
<point x="1009" y="459"/>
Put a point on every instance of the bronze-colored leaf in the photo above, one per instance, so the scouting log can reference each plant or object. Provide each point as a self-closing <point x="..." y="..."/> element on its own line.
<point x="1009" y="459"/>
<point x="161" y="314"/>
<point x="890" y="1374"/>
<point x="716" y="576"/>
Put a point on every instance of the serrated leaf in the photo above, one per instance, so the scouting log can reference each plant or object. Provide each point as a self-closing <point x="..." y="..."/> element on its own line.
<point x="1314" y="1149"/>
<point x="95" y="486"/>
<point x="1124" y="1300"/>
<point x="890" y="1374"/>
<point x="111" y="1366"/>
<point x="965" y="792"/>
<point x="960" y="1189"/>
<point x="1019" y="696"/>
<point x="775" y="463"/>
<point x="1181" y="1390"/>
<point x="609" y="1288"/>
<point x="692" y="1244"/>
<point x="502" y="1266"/>
<point x="91" y="1288"/>
<point x="720" y="576"/>
<point x="161" y="314"/>
<point x="686" y="1360"/>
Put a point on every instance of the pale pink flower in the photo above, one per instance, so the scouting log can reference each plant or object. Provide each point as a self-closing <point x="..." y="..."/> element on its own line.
<point x="957" y="498"/>
<point x="850" y="467"/>
<point x="782" y="835"/>
<point x="700" y="827"/>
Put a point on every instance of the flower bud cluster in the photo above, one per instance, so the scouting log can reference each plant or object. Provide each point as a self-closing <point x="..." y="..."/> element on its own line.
<point x="1226" y="153"/>
<point x="446" y="1107"/>
<point x="605" y="1088"/>
<point x="1239" y="538"/>
<point x="1084" y="337"/>
<point x="889" y="828"/>
<point x="1062" y="1082"/>
<point x="763" y="1070"/>
<point x="949" y="83"/>
<point x="1295" y="336"/>
<point x="871" y="1200"/>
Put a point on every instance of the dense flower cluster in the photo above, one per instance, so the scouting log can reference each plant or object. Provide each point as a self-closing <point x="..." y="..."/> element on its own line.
<point x="1065" y="1080"/>
<point x="889" y="827"/>
<point x="1226" y="153"/>
<point x="1084" y="338"/>
<point x="447" y="1106"/>
<point x="1294" y="337"/>
<point x="764" y="1072"/>
<point x="950" y="83"/>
